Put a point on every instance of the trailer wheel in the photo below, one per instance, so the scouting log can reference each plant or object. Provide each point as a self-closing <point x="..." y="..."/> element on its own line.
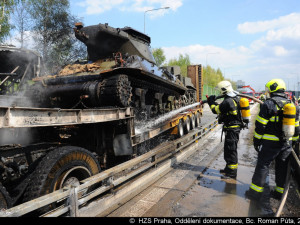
<point x="187" y="125"/>
<point x="197" y="120"/>
<point x="180" y="129"/>
<point x="59" y="168"/>
<point x="193" y="122"/>
<point x="5" y="200"/>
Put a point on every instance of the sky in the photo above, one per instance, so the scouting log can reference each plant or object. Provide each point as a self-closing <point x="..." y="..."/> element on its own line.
<point x="250" y="40"/>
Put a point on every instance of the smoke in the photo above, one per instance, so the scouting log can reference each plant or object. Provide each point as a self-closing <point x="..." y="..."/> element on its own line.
<point x="20" y="62"/>
<point x="148" y="125"/>
<point x="15" y="136"/>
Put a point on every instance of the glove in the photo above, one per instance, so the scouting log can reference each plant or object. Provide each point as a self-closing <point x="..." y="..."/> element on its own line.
<point x="257" y="144"/>
<point x="211" y="99"/>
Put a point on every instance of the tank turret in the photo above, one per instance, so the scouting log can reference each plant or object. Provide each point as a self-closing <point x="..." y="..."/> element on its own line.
<point x="102" y="41"/>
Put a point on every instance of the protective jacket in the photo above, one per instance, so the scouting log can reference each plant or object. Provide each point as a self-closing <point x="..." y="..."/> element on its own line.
<point x="268" y="124"/>
<point x="228" y="111"/>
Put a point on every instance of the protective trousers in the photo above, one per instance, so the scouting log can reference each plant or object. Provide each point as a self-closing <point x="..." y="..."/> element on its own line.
<point x="230" y="149"/>
<point x="278" y="150"/>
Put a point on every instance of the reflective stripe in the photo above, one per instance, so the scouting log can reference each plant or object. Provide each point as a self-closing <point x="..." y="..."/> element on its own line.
<point x="216" y="108"/>
<point x="256" y="188"/>
<point x="295" y="138"/>
<point x="271" y="137"/>
<point x="232" y="126"/>
<point x="262" y="120"/>
<point x="279" y="189"/>
<point x="272" y="119"/>
<point x="258" y="136"/>
<point x="233" y="112"/>
<point x="297" y="124"/>
<point x="233" y="166"/>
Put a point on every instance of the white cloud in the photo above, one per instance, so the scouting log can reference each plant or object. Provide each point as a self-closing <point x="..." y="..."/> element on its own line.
<point x="289" y="32"/>
<point x="100" y="6"/>
<point x="280" y="51"/>
<point x="274" y="54"/>
<point x="262" y="26"/>
<point x="216" y="57"/>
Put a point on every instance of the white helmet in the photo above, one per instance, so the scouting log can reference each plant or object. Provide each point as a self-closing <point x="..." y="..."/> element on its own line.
<point x="225" y="88"/>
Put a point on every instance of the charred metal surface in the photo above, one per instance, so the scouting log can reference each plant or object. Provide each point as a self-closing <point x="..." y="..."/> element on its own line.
<point x="120" y="65"/>
<point x="17" y="66"/>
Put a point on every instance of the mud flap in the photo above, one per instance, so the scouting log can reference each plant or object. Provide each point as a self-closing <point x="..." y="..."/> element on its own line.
<point x="122" y="145"/>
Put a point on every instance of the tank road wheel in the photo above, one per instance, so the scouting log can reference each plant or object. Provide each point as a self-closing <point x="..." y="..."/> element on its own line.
<point x="197" y="120"/>
<point x="180" y="129"/>
<point x="187" y="125"/>
<point x="5" y="200"/>
<point x="59" y="168"/>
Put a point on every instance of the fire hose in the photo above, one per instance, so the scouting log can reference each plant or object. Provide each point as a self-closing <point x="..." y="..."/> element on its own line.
<point x="237" y="93"/>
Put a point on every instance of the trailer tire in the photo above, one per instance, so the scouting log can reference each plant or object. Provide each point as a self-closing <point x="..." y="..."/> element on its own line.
<point x="180" y="129"/>
<point x="193" y="122"/>
<point x="187" y="125"/>
<point x="5" y="200"/>
<point x="197" y="120"/>
<point x="60" y="167"/>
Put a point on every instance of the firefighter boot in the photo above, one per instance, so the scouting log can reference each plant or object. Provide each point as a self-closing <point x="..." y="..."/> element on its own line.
<point x="275" y="194"/>
<point x="229" y="174"/>
<point x="225" y="170"/>
<point x="253" y="195"/>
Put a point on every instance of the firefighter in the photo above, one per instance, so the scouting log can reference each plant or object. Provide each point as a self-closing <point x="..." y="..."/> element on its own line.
<point x="271" y="142"/>
<point x="230" y="116"/>
<point x="299" y="101"/>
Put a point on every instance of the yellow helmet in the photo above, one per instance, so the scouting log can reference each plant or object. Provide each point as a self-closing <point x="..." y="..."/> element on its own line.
<point x="275" y="85"/>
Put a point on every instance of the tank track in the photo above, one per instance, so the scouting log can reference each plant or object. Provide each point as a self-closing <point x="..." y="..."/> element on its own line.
<point x="116" y="90"/>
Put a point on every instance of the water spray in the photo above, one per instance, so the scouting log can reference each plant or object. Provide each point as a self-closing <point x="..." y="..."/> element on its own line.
<point x="155" y="122"/>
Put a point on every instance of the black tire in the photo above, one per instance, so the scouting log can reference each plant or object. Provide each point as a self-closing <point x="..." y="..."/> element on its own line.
<point x="187" y="125"/>
<point x="61" y="167"/>
<point x="197" y="119"/>
<point x="193" y="122"/>
<point x="5" y="200"/>
<point x="180" y="129"/>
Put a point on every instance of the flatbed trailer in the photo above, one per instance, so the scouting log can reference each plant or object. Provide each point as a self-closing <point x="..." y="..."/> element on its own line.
<point x="120" y="140"/>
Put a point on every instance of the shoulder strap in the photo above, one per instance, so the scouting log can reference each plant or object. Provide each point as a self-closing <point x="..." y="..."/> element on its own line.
<point x="236" y="100"/>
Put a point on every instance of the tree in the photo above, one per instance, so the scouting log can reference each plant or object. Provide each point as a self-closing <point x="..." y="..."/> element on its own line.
<point x="211" y="76"/>
<point x="22" y="20"/>
<point x="159" y="56"/>
<point x="53" y="31"/>
<point x="182" y="61"/>
<point x="6" y="7"/>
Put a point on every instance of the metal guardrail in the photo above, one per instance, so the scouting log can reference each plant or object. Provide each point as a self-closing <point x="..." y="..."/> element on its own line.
<point x="109" y="179"/>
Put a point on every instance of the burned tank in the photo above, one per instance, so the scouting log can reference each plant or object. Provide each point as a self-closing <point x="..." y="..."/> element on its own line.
<point x="120" y="72"/>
